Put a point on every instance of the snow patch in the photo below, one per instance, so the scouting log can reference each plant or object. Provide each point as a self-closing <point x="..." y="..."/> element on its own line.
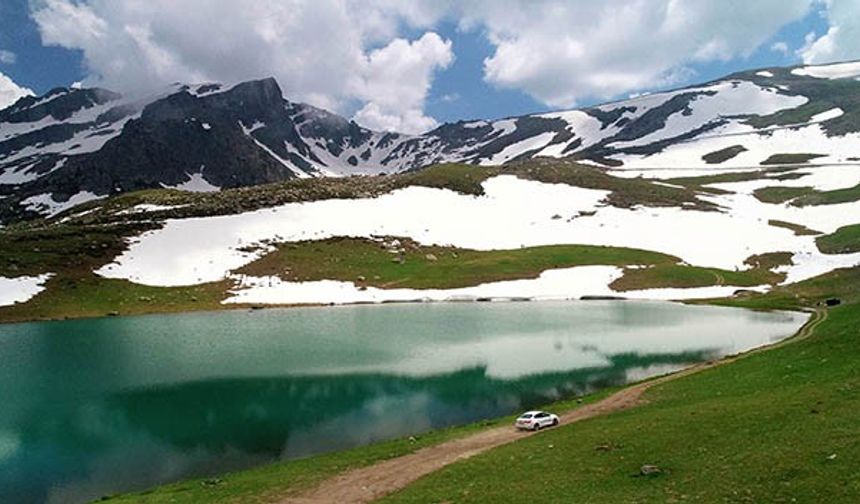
<point x="21" y="289"/>
<point x="518" y="148"/>
<point x="827" y="115"/>
<point x="834" y="71"/>
<point x="195" y="183"/>
<point x="46" y="205"/>
<point x="148" y="207"/>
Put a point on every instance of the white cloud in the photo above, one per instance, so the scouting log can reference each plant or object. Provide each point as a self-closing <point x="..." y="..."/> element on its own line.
<point x="780" y="47"/>
<point x="321" y="52"/>
<point x="7" y="57"/>
<point x="560" y="52"/>
<point x="841" y="42"/>
<point x="10" y="92"/>
<point x="396" y="81"/>
<point x="350" y="55"/>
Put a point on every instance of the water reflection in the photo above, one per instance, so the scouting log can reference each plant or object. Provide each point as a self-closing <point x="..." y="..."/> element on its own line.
<point x="96" y="407"/>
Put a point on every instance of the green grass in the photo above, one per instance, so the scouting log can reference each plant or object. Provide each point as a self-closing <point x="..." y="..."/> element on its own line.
<point x="844" y="240"/>
<point x="798" y="229"/>
<point x="88" y="295"/>
<point x="797" y="115"/>
<point x="458" y="177"/>
<point x="776" y="194"/>
<point x="770" y="260"/>
<point x="410" y="265"/>
<point x="762" y="429"/>
<point x="847" y="195"/>
<point x="683" y="276"/>
<point x="723" y="155"/>
<point x="782" y="159"/>
<point x="704" y="182"/>
<point x="372" y="263"/>
<point x="807" y="196"/>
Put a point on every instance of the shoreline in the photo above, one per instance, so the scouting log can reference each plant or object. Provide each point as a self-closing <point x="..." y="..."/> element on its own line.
<point x="251" y="307"/>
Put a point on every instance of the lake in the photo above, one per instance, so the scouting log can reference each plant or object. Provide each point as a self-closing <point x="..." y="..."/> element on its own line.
<point x="100" y="406"/>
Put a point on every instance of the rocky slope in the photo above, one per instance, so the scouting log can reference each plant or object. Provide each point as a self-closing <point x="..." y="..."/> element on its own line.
<point x="74" y="145"/>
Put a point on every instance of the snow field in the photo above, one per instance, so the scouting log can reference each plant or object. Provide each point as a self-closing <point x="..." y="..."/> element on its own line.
<point x="513" y="213"/>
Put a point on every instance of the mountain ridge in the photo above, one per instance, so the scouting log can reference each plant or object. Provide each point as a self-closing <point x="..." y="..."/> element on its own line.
<point x="72" y="145"/>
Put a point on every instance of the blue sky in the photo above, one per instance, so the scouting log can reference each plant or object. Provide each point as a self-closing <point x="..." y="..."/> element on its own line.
<point x="477" y="99"/>
<point x="459" y="87"/>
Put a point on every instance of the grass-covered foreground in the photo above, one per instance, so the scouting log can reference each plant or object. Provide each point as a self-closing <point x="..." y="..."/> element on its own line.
<point x="775" y="426"/>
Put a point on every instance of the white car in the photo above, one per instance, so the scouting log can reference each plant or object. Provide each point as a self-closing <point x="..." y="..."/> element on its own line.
<point x="536" y="420"/>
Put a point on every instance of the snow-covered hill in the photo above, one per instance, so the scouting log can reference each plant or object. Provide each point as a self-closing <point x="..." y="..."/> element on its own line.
<point x="72" y="145"/>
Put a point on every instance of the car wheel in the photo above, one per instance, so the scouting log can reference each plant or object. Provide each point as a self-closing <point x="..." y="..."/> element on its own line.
<point x="537" y="426"/>
<point x="554" y="422"/>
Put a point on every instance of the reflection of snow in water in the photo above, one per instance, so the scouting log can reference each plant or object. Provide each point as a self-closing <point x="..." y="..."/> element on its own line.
<point x="560" y="284"/>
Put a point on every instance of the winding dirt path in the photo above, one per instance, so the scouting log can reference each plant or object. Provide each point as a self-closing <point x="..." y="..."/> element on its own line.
<point x="370" y="483"/>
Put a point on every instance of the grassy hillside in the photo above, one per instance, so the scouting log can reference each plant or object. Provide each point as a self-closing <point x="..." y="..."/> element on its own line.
<point x="807" y="196"/>
<point x="844" y="240"/>
<point x="402" y="263"/>
<point x="777" y="426"/>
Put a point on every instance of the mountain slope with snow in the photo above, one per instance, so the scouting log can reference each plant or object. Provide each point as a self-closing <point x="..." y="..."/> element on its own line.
<point x="72" y="145"/>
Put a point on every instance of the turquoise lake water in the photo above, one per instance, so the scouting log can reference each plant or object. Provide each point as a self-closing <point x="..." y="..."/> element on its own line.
<point x="95" y="407"/>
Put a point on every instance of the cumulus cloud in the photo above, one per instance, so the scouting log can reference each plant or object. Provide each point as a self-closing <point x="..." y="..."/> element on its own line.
<point x="338" y="54"/>
<point x="841" y="41"/>
<point x="10" y="92"/>
<point x="560" y="52"/>
<point x="352" y="56"/>
<point x="396" y="81"/>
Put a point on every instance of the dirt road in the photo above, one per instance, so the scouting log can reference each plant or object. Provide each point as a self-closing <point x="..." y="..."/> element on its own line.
<point x="375" y="481"/>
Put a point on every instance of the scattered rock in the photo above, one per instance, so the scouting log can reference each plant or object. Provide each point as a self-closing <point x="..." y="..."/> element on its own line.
<point x="211" y="482"/>
<point x="431" y="257"/>
<point x="113" y="313"/>
<point x="832" y="456"/>
<point x="649" y="470"/>
<point x="361" y="278"/>
<point x="556" y="217"/>
<point x="398" y="260"/>
<point x="833" y="302"/>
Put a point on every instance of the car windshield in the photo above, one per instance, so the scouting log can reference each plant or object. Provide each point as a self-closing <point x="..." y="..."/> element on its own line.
<point x="527" y="415"/>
